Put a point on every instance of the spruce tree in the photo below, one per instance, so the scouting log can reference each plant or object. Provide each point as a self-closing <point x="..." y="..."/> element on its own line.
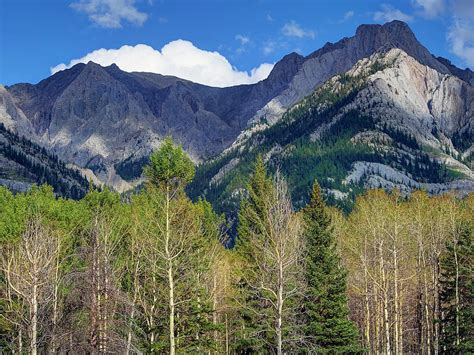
<point x="327" y="328"/>
<point x="457" y="294"/>
<point x="253" y="221"/>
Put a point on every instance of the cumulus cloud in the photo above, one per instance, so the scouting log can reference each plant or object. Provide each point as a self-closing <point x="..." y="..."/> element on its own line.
<point x="389" y="13"/>
<point x="430" y="8"/>
<point x="111" y="13"/>
<point x="178" y="58"/>
<point x="292" y="29"/>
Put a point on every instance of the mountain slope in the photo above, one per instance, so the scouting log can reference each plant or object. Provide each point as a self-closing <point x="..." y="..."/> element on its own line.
<point x="23" y="163"/>
<point x="108" y="121"/>
<point x="98" y="117"/>
<point x="389" y="121"/>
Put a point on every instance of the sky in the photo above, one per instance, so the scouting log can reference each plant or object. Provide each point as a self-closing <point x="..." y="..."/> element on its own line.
<point x="213" y="42"/>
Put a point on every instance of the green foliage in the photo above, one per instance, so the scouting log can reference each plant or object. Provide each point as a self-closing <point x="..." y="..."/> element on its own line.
<point x="326" y="325"/>
<point x="131" y="168"/>
<point x="253" y="223"/>
<point x="169" y="166"/>
<point x="457" y="295"/>
<point x="253" y="209"/>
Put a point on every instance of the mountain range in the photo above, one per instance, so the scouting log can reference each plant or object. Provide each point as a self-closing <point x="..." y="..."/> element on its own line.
<point x="373" y="110"/>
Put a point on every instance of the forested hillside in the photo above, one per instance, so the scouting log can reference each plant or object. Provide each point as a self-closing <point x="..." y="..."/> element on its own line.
<point x="150" y="273"/>
<point x="24" y="163"/>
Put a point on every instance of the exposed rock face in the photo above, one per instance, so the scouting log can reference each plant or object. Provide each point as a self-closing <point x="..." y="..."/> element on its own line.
<point x="107" y="120"/>
<point x="432" y="106"/>
<point x="96" y="117"/>
<point x="338" y="58"/>
<point x="375" y="175"/>
<point x="390" y="121"/>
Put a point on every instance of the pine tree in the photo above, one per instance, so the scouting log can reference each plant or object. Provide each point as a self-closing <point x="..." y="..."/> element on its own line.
<point x="457" y="294"/>
<point x="328" y="328"/>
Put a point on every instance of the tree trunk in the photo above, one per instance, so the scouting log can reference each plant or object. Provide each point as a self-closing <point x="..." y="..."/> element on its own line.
<point x="214" y="307"/>
<point x="132" y="313"/>
<point x="34" y="320"/>
<point x="170" y="276"/>
<point x="437" y="313"/>
<point x="279" y="308"/>
<point x="396" y="347"/>
<point x="226" y="335"/>
<point x="55" y="307"/>
<point x="385" y="303"/>
<point x="456" y="290"/>
<point x="367" y="307"/>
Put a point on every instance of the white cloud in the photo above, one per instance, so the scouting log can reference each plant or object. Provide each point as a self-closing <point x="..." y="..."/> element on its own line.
<point x="348" y="15"/>
<point x="111" y="13"/>
<point x="292" y="29"/>
<point x="461" y="39"/>
<point x="389" y="13"/>
<point x="178" y="58"/>
<point x="430" y="8"/>
<point x="461" y="33"/>
<point x="270" y="18"/>
<point x="242" y="39"/>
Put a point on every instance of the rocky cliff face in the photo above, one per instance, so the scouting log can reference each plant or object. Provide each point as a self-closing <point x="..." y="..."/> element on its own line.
<point x="338" y="58"/>
<point x="107" y="121"/>
<point x="98" y="117"/>
<point x="390" y="121"/>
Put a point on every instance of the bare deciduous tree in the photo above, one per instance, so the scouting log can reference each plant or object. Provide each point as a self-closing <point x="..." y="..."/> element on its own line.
<point x="29" y="270"/>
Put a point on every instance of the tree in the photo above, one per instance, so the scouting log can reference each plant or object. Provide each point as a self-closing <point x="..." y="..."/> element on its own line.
<point x="28" y="268"/>
<point x="271" y="246"/>
<point x="252" y="223"/>
<point x="457" y="294"/>
<point x="177" y="256"/>
<point x="327" y="327"/>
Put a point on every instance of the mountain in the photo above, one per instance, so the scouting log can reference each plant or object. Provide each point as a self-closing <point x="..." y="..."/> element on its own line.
<point x="388" y="122"/>
<point x="379" y="97"/>
<point x="107" y="120"/>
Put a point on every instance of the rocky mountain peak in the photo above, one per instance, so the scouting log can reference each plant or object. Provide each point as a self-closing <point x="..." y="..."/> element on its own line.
<point x="287" y="67"/>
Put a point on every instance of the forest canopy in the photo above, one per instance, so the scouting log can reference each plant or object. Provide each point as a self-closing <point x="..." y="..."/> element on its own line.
<point x="150" y="272"/>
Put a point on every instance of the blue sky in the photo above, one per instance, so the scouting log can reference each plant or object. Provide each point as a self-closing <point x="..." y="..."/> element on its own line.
<point x="215" y="42"/>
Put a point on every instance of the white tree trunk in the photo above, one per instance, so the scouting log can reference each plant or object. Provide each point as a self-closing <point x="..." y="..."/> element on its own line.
<point x="170" y="276"/>
<point x="34" y="320"/>
<point x="279" y="308"/>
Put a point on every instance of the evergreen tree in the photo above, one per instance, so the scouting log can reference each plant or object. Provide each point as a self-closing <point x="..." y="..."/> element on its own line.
<point x="457" y="294"/>
<point x="253" y="221"/>
<point x="253" y="214"/>
<point x="328" y="328"/>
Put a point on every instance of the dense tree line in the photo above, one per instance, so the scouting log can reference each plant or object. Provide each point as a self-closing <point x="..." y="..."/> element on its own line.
<point x="151" y="274"/>
<point x="408" y="261"/>
<point x="42" y="167"/>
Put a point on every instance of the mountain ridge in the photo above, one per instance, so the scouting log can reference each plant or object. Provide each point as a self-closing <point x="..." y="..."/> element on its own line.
<point x="106" y="121"/>
<point x="389" y="122"/>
